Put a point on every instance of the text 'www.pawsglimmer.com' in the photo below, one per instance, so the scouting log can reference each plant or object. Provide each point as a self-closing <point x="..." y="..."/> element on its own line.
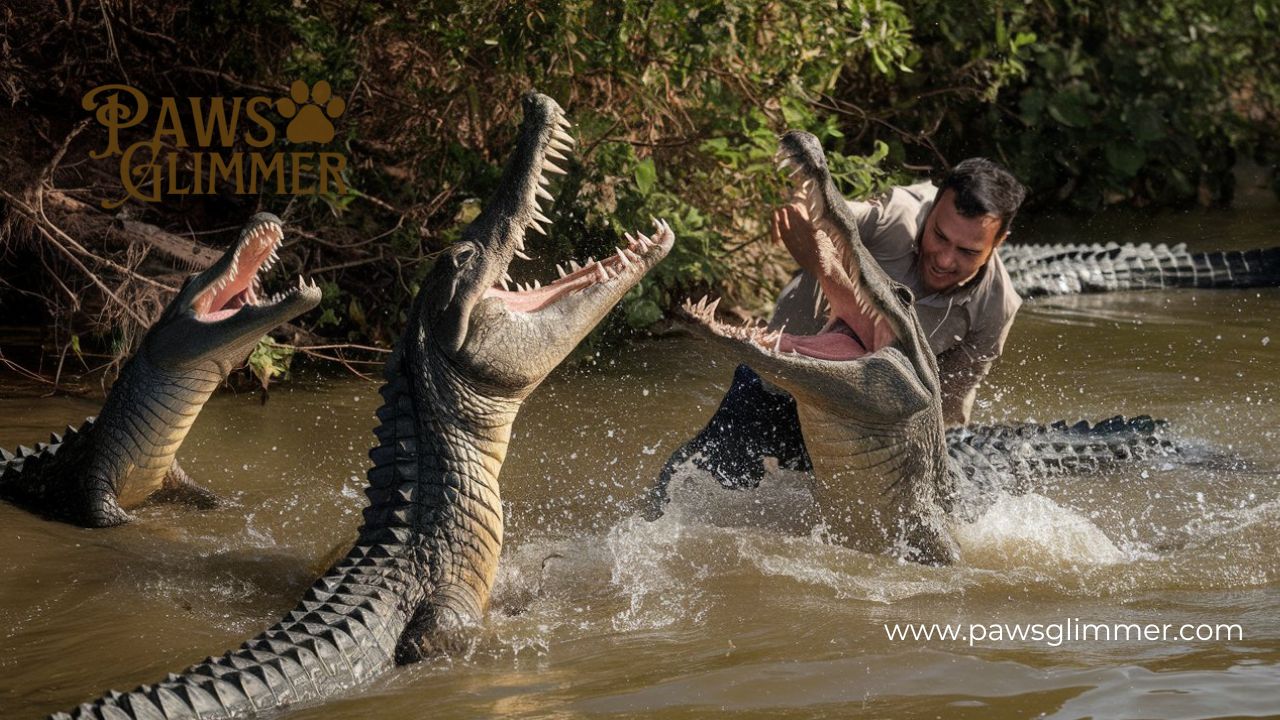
<point x="1073" y="630"/>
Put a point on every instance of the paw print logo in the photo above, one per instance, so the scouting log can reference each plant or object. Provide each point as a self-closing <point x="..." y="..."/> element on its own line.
<point x="303" y="107"/>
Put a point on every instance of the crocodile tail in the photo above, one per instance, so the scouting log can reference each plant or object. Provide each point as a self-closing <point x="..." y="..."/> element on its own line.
<point x="23" y="472"/>
<point x="1034" y="451"/>
<point x="1075" y="269"/>
<point x="341" y="634"/>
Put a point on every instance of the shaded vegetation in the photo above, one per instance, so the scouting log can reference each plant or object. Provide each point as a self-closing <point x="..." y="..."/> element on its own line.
<point x="677" y="105"/>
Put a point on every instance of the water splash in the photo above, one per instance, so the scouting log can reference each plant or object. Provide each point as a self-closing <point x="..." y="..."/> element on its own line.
<point x="1033" y="531"/>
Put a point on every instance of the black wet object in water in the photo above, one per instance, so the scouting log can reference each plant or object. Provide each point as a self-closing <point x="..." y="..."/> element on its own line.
<point x="753" y="421"/>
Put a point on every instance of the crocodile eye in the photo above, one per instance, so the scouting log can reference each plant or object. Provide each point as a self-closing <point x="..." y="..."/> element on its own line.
<point x="904" y="295"/>
<point x="462" y="254"/>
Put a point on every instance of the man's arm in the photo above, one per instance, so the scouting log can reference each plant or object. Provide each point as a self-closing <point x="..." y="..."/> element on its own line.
<point x="963" y="368"/>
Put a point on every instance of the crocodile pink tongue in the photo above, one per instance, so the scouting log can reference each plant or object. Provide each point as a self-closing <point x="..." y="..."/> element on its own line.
<point x="827" y="346"/>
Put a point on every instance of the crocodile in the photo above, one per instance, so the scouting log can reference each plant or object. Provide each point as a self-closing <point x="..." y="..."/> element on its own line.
<point x="755" y="421"/>
<point x="1044" y="270"/>
<point x="94" y="474"/>
<point x="424" y="562"/>
<point x="887" y="478"/>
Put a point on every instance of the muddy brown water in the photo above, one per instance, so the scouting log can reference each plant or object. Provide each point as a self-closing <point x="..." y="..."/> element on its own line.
<point x="734" y="603"/>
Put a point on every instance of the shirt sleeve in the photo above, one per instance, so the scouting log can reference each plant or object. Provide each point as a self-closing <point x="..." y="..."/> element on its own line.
<point x="887" y="223"/>
<point x="963" y="368"/>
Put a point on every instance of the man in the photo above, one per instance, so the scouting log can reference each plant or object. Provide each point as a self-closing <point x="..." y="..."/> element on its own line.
<point x="941" y="243"/>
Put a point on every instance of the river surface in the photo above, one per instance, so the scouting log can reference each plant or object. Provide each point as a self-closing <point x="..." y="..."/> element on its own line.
<point x="733" y="603"/>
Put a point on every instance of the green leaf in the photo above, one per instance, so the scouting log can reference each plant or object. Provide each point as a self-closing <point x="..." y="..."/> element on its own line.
<point x="1146" y="122"/>
<point x="1031" y="106"/>
<point x="646" y="175"/>
<point x="1125" y="158"/>
<point x="269" y="360"/>
<point x="1070" y="108"/>
<point x="643" y="313"/>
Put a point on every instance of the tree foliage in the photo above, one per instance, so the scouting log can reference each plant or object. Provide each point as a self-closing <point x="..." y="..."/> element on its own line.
<point x="677" y="106"/>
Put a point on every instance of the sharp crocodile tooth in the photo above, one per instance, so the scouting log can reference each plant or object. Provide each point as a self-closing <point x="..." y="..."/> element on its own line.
<point x="542" y="180"/>
<point x="631" y="254"/>
<point x="574" y="266"/>
<point x="552" y="167"/>
<point x="604" y="276"/>
<point x="552" y="152"/>
<point x="711" y="309"/>
<point x="559" y="143"/>
<point x="623" y="258"/>
<point x="541" y="218"/>
<point x="542" y="193"/>
<point x="778" y="344"/>
<point x="533" y="225"/>
<point x="522" y="256"/>
<point x="506" y="278"/>
<point x="503" y="282"/>
<point x="536" y="284"/>
<point x="560" y="270"/>
<point x="784" y="163"/>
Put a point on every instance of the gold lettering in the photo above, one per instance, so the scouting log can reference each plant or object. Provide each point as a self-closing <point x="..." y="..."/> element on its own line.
<point x="251" y="109"/>
<point x="333" y="165"/>
<point x="262" y="169"/>
<point x="301" y="164"/>
<point x="115" y="115"/>
<point x="134" y="189"/>
<point x="215" y="118"/>
<point x="173" y="188"/>
<point x="224" y="169"/>
<point x="169" y="123"/>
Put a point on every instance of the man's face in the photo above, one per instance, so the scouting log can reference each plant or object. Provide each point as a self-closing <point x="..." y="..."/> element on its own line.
<point x="954" y="247"/>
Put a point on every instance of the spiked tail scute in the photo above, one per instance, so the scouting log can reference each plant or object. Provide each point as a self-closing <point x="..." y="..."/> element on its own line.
<point x="1074" y="269"/>
<point x="27" y="475"/>
<point x="1032" y="452"/>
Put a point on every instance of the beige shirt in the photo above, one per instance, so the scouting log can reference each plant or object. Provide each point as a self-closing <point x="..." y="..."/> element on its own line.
<point x="966" y="325"/>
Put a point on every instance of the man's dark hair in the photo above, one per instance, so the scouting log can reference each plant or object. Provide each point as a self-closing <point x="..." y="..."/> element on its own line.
<point x="983" y="187"/>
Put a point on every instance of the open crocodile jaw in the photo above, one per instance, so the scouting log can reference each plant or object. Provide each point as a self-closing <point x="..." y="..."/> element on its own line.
<point x="512" y="338"/>
<point x="865" y="386"/>
<point x="427" y="553"/>
<point x="219" y="315"/>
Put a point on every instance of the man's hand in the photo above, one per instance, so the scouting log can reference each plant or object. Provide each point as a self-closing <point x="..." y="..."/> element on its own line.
<point x="811" y="248"/>
<point x="792" y="228"/>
